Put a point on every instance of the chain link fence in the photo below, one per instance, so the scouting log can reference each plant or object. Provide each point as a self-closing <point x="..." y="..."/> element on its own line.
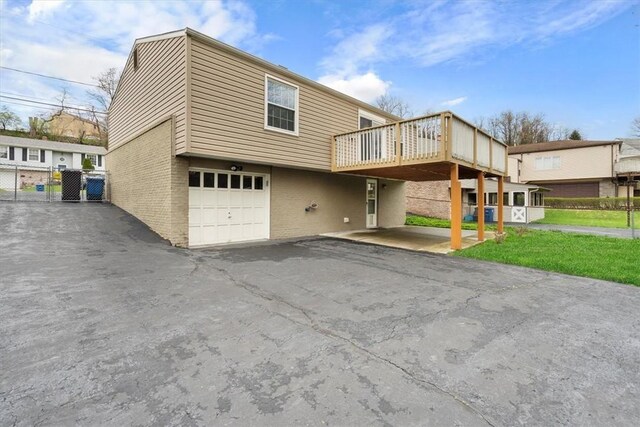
<point x="46" y="184"/>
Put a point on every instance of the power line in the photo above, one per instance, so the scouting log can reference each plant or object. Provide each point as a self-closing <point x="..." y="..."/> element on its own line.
<point x="70" y="99"/>
<point x="49" y="77"/>
<point x="52" y="105"/>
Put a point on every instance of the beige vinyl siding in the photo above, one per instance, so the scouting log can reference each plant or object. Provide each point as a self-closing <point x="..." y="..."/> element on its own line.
<point x="575" y="163"/>
<point x="153" y="91"/>
<point x="227" y="113"/>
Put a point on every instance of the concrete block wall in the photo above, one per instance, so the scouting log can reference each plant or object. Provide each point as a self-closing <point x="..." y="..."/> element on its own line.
<point x="430" y="198"/>
<point x="607" y="188"/>
<point x="150" y="183"/>
<point x="337" y="196"/>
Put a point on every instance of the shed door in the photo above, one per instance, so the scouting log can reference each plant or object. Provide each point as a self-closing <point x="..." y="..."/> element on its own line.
<point x="227" y="207"/>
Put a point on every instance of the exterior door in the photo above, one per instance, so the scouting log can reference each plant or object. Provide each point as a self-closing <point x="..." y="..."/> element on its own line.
<point x="372" y="203"/>
<point x="227" y="207"/>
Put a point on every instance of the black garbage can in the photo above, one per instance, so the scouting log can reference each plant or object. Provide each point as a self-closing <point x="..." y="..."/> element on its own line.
<point x="488" y="215"/>
<point x="71" y="185"/>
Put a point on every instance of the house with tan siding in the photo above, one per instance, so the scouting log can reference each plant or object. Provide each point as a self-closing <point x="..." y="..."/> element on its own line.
<point x="210" y="145"/>
<point x="568" y="168"/>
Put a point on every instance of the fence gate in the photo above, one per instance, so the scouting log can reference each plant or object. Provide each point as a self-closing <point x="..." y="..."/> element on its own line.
<point x="45" y="184"/>
<point x="518" y="214"/>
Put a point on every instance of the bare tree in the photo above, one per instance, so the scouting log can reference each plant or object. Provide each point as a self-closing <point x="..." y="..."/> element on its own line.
<point x="106" y="83"/>
<point x="517" y="128"/>
<point x="9" y="119"/>
<point x="635" y="127"/>
<point x="394" y="105"/>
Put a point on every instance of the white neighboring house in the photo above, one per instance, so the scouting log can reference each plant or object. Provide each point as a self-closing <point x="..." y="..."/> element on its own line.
<point x="35" y="159"/>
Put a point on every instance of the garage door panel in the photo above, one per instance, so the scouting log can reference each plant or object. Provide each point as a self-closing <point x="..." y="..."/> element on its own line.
<point x="220" y="215"/>
<point x="209" y="216"/>
<point x="209" y="198"/>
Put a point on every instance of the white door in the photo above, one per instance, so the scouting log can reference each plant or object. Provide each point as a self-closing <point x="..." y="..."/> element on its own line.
<point x="372" y="203"/>
<point x="227" y="207"/>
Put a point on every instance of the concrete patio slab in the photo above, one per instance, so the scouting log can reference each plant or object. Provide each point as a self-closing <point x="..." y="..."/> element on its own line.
<point x="415" y="238"/>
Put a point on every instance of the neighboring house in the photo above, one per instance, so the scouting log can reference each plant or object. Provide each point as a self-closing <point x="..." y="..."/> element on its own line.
<point x="210" y="145"/>
<point x="35" y="159"/>
<point x="627" y="169"/>
<point x="521" y="202"/>
<point x="568" y="168"/>
<point x="70" y="125"/>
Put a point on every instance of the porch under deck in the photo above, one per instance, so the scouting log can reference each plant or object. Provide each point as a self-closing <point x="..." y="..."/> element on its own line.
<point x="422" y="239"/>
<point x="436" y="147"/>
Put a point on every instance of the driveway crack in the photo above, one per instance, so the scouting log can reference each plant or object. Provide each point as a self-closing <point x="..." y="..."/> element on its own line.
<point x="256" y="291"/>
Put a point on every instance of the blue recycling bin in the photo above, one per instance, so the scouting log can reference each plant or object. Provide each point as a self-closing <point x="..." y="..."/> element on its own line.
<point x="39" y="187"/>
<point x="488" y="215"/>
<point x="95" y="188"/>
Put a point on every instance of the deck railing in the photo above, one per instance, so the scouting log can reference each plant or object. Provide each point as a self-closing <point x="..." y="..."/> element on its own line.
<point x="432" y="138"/>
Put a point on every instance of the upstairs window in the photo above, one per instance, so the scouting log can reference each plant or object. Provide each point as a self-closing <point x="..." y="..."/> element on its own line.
<point x="547" y="163"/>
<point x="4" y="152"/>
<point x="34" y="154"/>
<point x="281" y="106"/>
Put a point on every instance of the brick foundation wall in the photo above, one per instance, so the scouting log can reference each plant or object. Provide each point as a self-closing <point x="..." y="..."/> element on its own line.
<point x="146" y="180"/>
<point x="337" y="196"/>
<point x="430" y="198"/>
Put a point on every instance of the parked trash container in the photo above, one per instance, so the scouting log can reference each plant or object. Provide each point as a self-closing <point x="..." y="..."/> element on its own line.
<point x="71" y="185"/>
<point x="488" y="214"/>
<point x="95" y="188"/>
<point x="39" y="187"/>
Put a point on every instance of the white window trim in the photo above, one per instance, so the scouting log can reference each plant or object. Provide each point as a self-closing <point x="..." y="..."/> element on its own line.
<point x="89" y="156"/>
<point x="367" y="115"/>
<point x="266" y="106"/>
<point x="5" y="151"/>
<point x="29" y="150"/>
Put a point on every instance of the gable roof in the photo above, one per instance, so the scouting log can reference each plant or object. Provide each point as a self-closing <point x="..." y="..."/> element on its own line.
<point x="42" y="144"/>
<point x="630" y="147"/>
<point x="255" y="59"/>
<point x="557" y="145"/>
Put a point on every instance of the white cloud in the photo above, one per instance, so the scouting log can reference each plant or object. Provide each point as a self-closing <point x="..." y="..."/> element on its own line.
<point x="365" y="87"/>
<point x="41" y="8"/>
<point x="433" y="32"/>
<point x="79" y="40"/>
<point x="455" y="101"/>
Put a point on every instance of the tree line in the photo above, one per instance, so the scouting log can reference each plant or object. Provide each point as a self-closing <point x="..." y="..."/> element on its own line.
<point x="511" y="127"/>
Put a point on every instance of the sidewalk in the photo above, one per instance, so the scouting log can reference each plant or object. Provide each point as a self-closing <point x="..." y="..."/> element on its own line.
<point x="624" y="233"/>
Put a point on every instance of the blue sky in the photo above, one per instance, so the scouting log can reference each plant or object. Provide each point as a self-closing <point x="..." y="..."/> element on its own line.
<point x="576" y="62"/>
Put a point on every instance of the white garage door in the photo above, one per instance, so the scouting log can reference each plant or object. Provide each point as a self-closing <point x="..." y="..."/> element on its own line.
<point x="227" y="207"/>
<point x="7" y="180"/>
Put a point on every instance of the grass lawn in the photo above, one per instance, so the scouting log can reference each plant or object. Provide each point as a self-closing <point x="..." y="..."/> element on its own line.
<point x="612" y="219"/>
<point x="570" y="253"/>
<point x="438" y="223"/>
<point x="57" y="188"/>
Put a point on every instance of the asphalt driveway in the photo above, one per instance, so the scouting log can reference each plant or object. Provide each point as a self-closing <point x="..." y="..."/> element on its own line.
<point x="103" y="323"/>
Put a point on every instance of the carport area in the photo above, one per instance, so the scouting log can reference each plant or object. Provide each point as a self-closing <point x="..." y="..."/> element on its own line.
<point x="105" y="323"/>
<point x="414" y="238"/>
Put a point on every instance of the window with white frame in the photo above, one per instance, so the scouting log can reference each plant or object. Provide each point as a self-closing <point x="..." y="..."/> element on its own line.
<point x="281" y="106"/>
<point x="4" y="152"/>
<point x="34" y="155"/>
<point x="547" y="163"/>
<point x="93" y="158"/>
<point x="537" y="199"/>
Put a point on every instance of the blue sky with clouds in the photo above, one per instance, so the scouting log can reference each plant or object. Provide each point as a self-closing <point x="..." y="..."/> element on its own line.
<point x="577" y="62"/>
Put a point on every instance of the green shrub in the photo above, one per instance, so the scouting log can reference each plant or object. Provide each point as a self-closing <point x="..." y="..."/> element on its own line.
<point x="606" y="203"/>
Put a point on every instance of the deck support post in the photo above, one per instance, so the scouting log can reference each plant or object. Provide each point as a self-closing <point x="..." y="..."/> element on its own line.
<point x="500" y="204"/>
<point x="456" y="209"/>
<point x="480" y="204"/>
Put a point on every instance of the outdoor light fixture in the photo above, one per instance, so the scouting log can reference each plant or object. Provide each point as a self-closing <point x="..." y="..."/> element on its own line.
<point x="235" y="168"/>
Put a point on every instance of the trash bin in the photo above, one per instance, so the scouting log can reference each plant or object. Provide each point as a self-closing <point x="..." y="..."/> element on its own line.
<point x="39" y="187"/>
<point x="488" y="215"/>
<point x="71" y="185"/>
<point x="95" y="188"/>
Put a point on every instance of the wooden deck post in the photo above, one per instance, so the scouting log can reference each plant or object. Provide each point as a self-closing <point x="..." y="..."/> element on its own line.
<point x="500" y="204"/>
<point x="456" y="209"/>
<point x="480" y="204"/>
